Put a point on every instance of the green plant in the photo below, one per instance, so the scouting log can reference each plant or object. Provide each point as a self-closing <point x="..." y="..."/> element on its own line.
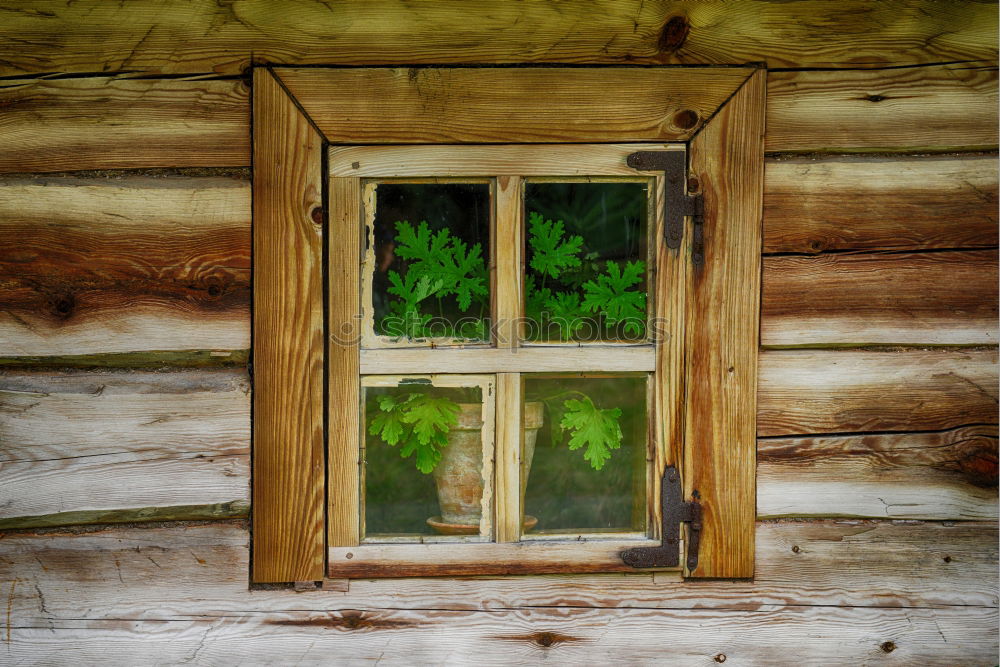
<point x="419" y="425"/>
<point x="566" y="288"/>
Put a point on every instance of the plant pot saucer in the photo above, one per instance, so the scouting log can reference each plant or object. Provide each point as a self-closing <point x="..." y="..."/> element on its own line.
<point x="443" y="528"/>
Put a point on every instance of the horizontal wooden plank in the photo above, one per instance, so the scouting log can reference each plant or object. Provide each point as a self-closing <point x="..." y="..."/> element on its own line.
<point x="442" y="560"/>
<point x="938" y="475"/>
<point x="124" y="265"/>
<point x="939" y="298"/>
<point x="826" y="563"/>
<point x="534" y="359"/>
<point x="920" y="108"/>
<point x="112" y="123"/>
<point x="202" y="36"/>
<point x="562" y="636"/>
<point x="840" y="391"/>
<point x="107" y="441"/>
<point x="510" y="105"/>
<point x="905" y="203"/>
<point x="503" y="160"/>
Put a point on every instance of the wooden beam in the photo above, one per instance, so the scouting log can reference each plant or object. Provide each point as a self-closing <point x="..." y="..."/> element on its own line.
<point x="344" y="233"/>
<point x="288" y="497"/>
<point x="122" y="446"/>
<point x="868" y="203"/>
<point x="920" y="108"/>
<point x="837" y="563"/>
<point x="124" y="265"/>
<point x="115" y="123"/>
<point x="848" y="391"/>
<point x="722" y="333"/>
<point x="941" y="298"/>
<point x="178" y="36"/>
<point x="510" y="105"/>
<point x="524" y="359"/>
<point x="944" y="475"/>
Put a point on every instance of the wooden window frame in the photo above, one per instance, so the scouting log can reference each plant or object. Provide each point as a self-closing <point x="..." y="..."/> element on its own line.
<point x="298" y="112"/>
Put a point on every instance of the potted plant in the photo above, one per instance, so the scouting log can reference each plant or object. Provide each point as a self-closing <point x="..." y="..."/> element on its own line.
<point x="444" y="438"/>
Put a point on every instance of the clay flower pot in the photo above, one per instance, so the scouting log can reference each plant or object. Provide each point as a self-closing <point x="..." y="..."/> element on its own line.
<point x="459" y="474"/>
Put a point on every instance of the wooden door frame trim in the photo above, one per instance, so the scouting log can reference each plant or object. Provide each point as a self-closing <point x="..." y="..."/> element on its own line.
<point x="293" y="124"/>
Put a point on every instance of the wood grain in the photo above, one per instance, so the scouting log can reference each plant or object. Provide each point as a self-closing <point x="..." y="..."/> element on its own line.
<point x="123" y="265"/>
<point x="344" y="430"/>
<point x="904" y="203"/>
<point x="501" y="160"/>
<point x="891" y="580"/>
<point x="509" y="105"/>
<point x="455" y="559"/>
<point x="940" y="298"/>
<point x="288" y="489"/>
<point x="115" y="123"/>
<point x="922" y="108"/>
<point x="847" y="563"/>
<point x="571" y="636"/>
<point x="201" y="36"/>
<point x="722" y="333"/>
<point x="509" y="432"/>
<point x="121" y="445"/>
<point x="524" y="359"/>
<point x="936" y="475"/>
<point x="805" y="392"/>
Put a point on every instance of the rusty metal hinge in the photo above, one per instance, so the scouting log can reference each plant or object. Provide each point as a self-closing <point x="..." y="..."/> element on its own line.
<point x="673" y="510"/>
<point x="677" y="202"/>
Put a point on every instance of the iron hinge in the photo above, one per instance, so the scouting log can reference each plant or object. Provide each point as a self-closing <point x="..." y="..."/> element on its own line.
<point x="673" y="511"/>
<point x="678" y="202"/>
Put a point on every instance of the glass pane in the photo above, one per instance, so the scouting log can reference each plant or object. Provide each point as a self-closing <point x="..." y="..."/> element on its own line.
<point x="423" y="459"/>
<point x="585" y="274"/>
<point x="583" y="453"/>
<point x="428" y="271"/>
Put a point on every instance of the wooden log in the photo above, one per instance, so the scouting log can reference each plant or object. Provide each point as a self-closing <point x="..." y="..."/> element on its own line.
<point x="906" y="203"/>
<point x="201" y="36"/>
<point x="123" y="265"/>
<point x="722" y="333"/>
<point x="939" y="298"/>
<point x="112" y="123"/>
<point x="937" y="475"/>
<point x="288" y="462"/>
<point x="510" y="105"/>
<point x="920" y="108"/>
<point x="825" y="391"/>
<point x="825" y="563"/>
<point x="118" y="446"/>
<point x="565" y="636"/>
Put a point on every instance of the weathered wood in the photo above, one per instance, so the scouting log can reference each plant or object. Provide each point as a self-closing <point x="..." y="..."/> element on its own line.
<point x="511" y="161"/>
<point x="509" y="432"/>
<point x="343" y="398"/>
<point x="288" y="462"/>
<point x="826" y="563"/>
<point x="920" y="108"/>
<point x="525" y="359"/>
<point x="827" y="391"/>
<point x="721" y="339"/>
<point x="127" y="445"/>
<point x="112" y="123"/>
<point x="510" y="105"/>
<point x="938" y="475"/>
<point x="201" y="36"/>
<point x="905" y="203"/>
<point x="122" y="265"/>
<point x="449" y="560"/>
<point x="940" y="298"/>
<point x="567" y="636"/>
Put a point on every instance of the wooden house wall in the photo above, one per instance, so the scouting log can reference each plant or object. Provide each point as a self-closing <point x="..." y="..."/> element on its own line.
<point x="125" y="330"/>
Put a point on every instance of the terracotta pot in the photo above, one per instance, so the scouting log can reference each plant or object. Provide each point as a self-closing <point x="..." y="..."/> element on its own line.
<point x="459" y="474"/>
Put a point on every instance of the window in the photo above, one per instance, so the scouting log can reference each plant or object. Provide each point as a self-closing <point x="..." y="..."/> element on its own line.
<point x="483" y="302"/>
<point x="510" y="355"/>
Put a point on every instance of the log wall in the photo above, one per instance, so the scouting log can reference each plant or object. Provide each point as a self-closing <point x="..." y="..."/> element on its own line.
<point x="125" y="328"/>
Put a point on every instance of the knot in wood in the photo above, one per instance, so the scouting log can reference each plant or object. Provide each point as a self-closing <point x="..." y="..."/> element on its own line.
<point x="673" y="35"/>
